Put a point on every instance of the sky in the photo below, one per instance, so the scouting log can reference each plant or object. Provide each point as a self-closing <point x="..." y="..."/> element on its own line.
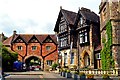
<point x="37" y="16"/>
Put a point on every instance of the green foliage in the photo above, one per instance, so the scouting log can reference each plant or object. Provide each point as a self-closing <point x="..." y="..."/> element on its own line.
<point x="0" y="49"/>
<point x="61" y="70"/>
<point x="65" y="70"/>
<point x="81" y="74"/>
<point x="90" y="76"/>
<point x="76" y="72"/>
<point x="106" y="53"/>
<point x="68" y="71"/>
<point x="8" y="57"/>
<point x="54" y="65"/>
<point x="105" y="76"/>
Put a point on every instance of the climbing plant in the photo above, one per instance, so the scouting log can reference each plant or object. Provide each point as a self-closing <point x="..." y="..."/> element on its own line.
<point x="106" y="52"/>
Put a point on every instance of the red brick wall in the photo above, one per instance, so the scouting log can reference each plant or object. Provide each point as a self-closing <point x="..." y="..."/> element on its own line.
<point x="52" y="56"/>
<point x="36" y="52"/>
<point x="21" y="52"/>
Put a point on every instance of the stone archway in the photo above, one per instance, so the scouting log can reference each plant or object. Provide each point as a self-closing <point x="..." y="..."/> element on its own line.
<point x="33" y="61"/>
<point x="85" y="58"/>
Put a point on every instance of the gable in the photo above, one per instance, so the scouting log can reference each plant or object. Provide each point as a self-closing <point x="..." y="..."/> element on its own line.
<point x="19" y="40"/>
<point x="33" y="40"/>
<point x="69" y="17"/>
<point x="62" y="25"/>
<point x="48" y="40"/>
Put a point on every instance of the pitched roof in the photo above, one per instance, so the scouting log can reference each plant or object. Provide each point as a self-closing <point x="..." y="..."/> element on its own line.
<point x="89" y="15"/>
<point x="8" y="41"/>
<point x="27" y="37"/>
<point x="99" y="47"/>
<point x="69" y="16"/>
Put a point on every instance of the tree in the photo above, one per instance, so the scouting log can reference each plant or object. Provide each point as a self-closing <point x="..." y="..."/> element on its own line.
<point x="8" y="58"/>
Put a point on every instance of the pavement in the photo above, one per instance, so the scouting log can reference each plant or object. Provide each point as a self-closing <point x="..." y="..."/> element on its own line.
<point x="50" y="75"/>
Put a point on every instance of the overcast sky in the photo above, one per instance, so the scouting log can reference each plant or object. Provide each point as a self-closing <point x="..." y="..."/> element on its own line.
<point x="37" y="16"/>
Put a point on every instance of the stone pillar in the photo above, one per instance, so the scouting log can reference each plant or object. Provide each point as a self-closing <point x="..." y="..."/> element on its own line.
<point x="91" y="47"/>
<point x="62" y="59"/>
<point x="68" y="58"/>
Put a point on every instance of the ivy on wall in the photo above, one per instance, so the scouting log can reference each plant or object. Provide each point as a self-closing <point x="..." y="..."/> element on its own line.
<point x="106" y="52"/>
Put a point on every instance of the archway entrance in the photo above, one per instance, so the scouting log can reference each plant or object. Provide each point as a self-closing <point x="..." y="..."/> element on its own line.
<point x="33" y="63"/>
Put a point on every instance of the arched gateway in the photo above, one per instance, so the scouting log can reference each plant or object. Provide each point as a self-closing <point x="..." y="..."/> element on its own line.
<point x="33" y="61"/>
<point x="34" y="49"/>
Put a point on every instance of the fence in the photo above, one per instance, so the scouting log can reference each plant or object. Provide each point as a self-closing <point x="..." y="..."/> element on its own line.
<point x="113" y="72"/>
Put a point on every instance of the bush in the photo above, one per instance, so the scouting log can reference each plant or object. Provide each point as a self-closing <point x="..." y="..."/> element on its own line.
<point x="90" y="76"/>
<point x="61" y="70"/>
<point x="54" y="66"/>
<point x="76" y="72"/>
<point x="65" y="70"/>
<point x="81" y="74"/>
<point x="68" y="71"/>
<point x="46" y="69"/>
<point x="105" y="76"/>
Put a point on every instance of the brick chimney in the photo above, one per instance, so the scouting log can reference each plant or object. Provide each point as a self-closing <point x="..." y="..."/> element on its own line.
<point x="14" y="32"/>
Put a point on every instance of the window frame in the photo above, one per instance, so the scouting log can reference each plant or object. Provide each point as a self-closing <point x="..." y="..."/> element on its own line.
<point x="48" y="48"/>
<point x="72" y="58"/>
<point x="63" y="42"/>
<point x="34" y="48"/>
<point x="81" y="21"/>
<point x="83" y="37"/>
<point x="19" y="48"/>
<point x="49" y="62"/>
<point x="65" y="59"/>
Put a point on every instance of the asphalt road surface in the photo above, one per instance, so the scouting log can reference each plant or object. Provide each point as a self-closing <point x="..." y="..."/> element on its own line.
<point x="23" y="77"/>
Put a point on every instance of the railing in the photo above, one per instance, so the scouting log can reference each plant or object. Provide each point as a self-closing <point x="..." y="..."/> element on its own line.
<point x="113" y="72"/>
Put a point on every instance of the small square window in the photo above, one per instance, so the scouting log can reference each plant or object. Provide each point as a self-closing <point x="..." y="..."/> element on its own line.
<point x="49" y="62"/>
<point x="98" y="56"/>
<point x="34" y="47"/>
<point x="48" y="47"/>
<point x="19" y="47"/>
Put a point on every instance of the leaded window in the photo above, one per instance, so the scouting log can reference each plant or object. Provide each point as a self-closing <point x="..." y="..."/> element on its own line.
<point x="34" y="47"/>
<point x="81" y="20"/>
<point x="83" y="36"/>
<point x="65" y="59"/>
<point x="48" y="47"/>
<point x="19" y="47"/>
<point x="63" y="42"/>
<point x="72" y="58"/>
<point x="49" y="62"/>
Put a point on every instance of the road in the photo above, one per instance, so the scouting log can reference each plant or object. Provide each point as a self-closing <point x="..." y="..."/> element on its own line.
<point x="33" y="75"/>
<point x="40" y="75"/>
<point x="23" y="77"/>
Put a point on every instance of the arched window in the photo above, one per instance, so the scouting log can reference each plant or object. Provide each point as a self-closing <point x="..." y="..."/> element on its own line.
<point x="86" y="60"/>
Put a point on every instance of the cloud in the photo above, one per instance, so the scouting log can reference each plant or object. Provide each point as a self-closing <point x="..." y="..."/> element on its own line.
<point x="36" y="16"/>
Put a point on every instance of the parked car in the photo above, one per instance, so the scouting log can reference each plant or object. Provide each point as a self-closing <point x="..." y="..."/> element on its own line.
<point x="35" y="68"/>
